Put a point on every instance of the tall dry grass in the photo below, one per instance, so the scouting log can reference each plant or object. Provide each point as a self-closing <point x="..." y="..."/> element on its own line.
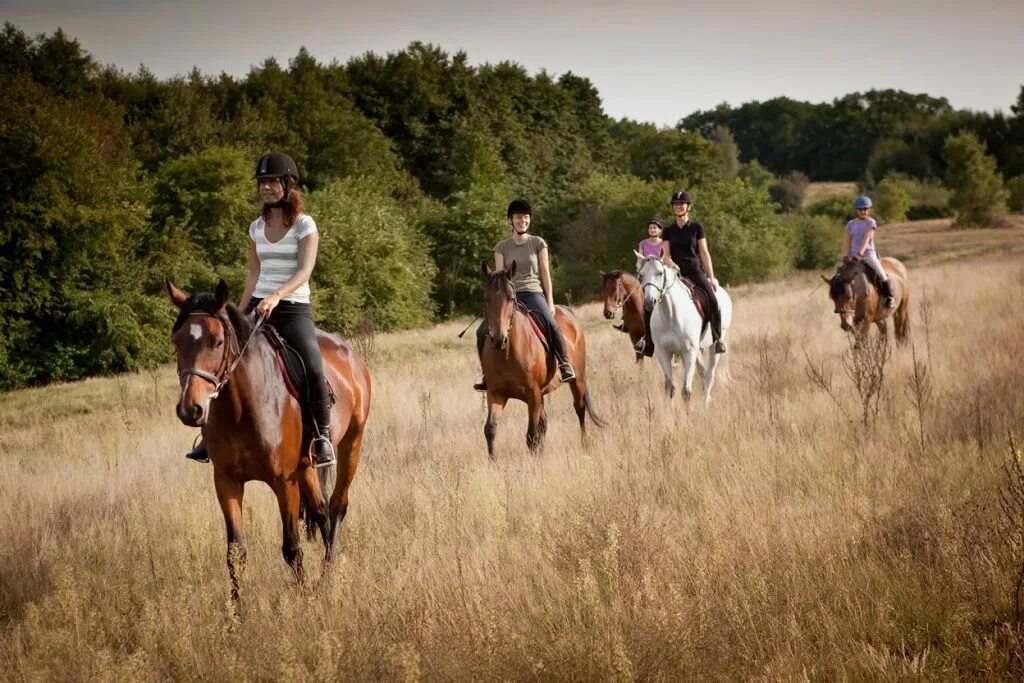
<point x="772" y="537"/>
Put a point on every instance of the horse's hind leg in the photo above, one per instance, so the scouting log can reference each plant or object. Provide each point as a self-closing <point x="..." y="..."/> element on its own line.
<point x="313" y="484"/>
<point x="579" y="400"/>
<point x="709" y="377"/>
<point x="348" y="461"/>
<point x="902" y="321"/>
<point x="229" y="494"/>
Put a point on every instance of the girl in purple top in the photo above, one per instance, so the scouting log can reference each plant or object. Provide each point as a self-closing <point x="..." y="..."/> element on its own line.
<point x="860" y="245"/>
<point x="652" y="245"/>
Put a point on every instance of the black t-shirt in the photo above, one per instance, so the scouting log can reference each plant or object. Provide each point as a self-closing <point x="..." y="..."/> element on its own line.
<point x="682" y="244"/>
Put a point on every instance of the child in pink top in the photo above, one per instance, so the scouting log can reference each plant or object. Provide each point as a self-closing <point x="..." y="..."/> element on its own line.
<point x="652" y="245"/>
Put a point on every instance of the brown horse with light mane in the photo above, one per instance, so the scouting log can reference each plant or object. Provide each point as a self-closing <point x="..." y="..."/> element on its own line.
<point x="516" y="365"/>
<point x="231" y="386"/>
<point x="858" y="303"/>
<point x="622" y="291"/>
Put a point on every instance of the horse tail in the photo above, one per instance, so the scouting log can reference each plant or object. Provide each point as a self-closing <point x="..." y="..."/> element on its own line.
<point x="588" y="404"/>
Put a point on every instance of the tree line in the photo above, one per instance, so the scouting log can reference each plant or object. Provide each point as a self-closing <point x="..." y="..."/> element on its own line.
<point x="113" y="181"/>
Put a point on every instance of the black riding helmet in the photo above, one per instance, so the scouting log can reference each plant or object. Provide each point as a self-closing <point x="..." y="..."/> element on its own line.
<point x="276" y="165"/>
<point x="681" y="197"/>
<point x="519" y="206"/>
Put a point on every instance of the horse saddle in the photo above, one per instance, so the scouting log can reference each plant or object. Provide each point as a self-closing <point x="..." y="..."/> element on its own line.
<point x="699" y="296"/>
<point x="538" y="325"/>
<point x="293" y="370"/>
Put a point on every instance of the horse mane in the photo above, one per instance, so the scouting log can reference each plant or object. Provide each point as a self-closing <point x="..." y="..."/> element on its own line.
<point x="843" y="275"/>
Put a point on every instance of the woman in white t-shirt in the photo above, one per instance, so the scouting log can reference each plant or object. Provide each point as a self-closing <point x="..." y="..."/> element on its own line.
<point x="283" y="244"/>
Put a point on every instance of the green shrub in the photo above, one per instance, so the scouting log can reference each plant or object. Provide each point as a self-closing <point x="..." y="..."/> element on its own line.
<point x="1015" y="189"/>
<point x="891" y="201"/>
<point x="836" y="208"/>
<point x="373" y="261"/>
<point x="817" y="240"/>
<point x="788" y="192"/>
<point x="979" y="197"/>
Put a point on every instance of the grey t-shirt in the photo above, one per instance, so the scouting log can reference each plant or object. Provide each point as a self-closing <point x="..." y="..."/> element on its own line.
<point x="527" y="259"/>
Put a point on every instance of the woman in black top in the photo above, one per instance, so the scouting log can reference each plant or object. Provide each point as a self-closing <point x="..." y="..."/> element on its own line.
<point x="685" y="247"/>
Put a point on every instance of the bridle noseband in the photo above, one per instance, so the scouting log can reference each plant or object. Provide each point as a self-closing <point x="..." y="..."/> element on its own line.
<point x="224" y="369"/>
<point x="664" y="288"/>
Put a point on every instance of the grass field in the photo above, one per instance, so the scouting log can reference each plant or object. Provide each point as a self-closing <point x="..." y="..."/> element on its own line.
<point x="774" y="536"/>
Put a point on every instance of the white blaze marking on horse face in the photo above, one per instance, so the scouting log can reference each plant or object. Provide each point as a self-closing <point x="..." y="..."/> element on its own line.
<point x="196" y="331"/>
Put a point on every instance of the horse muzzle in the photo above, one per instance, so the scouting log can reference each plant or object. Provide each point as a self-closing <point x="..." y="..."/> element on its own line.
<point x="192" y="414"/>
<point x="608" y="313"/>
<point x="499" y="342"/>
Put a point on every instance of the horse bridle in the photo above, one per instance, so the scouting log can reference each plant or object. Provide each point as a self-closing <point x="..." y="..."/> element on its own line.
<point x="224" y="368"/>
<point x="508" y="328"/>
<point x="619" y="303"/>
<point x="664" y="288"/>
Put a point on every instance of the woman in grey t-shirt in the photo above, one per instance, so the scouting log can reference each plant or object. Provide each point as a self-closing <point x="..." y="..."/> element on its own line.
<point x="532" y="282"/>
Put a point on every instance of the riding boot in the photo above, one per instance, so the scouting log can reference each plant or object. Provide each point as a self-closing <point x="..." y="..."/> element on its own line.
<point x="716" y="332"/>
<point x="567" y="374"/>
<point x="647" y="343"/>
<point x="886" y="289"/>
<point x="323" y="449"/>
<point x="198" y="452"/>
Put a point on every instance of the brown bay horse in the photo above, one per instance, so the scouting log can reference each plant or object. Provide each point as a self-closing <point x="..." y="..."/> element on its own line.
<point x="516" y="365"/>
<point x="231" y="387"/>
<point x="622" y="291"/>
<point x="858" y="302"/>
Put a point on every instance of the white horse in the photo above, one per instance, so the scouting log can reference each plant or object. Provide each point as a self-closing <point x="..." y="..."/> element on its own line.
<point x="676" y="325"/>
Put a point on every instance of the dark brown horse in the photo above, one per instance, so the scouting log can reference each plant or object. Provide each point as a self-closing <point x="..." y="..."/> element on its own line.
<point x="231" y="386"/>
<point x="622" y="291"/>
<point x="516" y="365"/>
<point x="857" y="301"/>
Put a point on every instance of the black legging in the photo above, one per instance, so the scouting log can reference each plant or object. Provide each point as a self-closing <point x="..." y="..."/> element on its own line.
<point x="538" y="304"/>
<point x="700" y="279"/>
<point x="294" y="322"/>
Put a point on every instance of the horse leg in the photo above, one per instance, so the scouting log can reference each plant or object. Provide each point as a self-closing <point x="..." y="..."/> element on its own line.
<point x="665" y="361"/>
<point x="689" y="366"/>
<point x="229" y="494"/>
<point x="538" y="422"/>
<point x="579" y="400"/>
<point x="314" y="500"/>
<point x="495" y="404"/>
<point x="348" y="460"/>
<point x="709" y="376"/>
<point x="288" y="494"/>
<point x="902" y="322"/>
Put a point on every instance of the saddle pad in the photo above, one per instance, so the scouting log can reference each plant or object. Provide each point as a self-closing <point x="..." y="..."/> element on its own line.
<point x="536" y="325"/>
<point x="699" y="296"/>
<point x="293" y="370"/>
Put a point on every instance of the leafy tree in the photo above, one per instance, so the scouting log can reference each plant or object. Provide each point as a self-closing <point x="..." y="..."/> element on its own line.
<point x="729" y="151"/>
<point x="373" y="261"/>
<point x="817" y="240"/>
<point x="892" y="202"/>
<point x="979" y="197"/>
<point x="1015" y="192"/>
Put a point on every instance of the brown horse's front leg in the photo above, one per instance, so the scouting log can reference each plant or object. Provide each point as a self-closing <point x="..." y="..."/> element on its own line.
<point x="538" y="421"/>
<point x="287" y="492"/>
<point x="495" y="404"/>
<point x="229" y="494"/>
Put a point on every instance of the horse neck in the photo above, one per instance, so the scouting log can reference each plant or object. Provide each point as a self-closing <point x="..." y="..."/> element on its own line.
<point x="634" y="300"/>
<point x="252" y="389"/>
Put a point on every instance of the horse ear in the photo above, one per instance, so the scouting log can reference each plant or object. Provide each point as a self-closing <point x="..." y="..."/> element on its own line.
<point x="221" y="294"/>
<point x="178" y="297"/>
<point x="511" y="270"/>
<point x="486" y="269"/>
<point x="638" y="254"/>
<point x="602" y="273"/>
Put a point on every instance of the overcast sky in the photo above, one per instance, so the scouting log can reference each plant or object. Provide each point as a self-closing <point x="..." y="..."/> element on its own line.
<point x="651" y="60"/>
